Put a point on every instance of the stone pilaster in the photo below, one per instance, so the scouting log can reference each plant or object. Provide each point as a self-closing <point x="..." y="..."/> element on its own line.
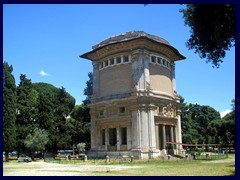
<point x="173" y="78"/>
<point x="95" y="81"/>
<point x="140" y="70"/>
<point x="93" y="131"/>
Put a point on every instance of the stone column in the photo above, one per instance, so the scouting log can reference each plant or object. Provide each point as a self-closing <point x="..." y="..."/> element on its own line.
<point x="106" y="138"/>
<point x="157" y="136"/>
<point x="99" y="138"/>
<point x="118" y="139"/>
<point x="129" y="139"/>
<point x="171" y="134"/>
<point x="179" y="131"/>
<point x="144" y="128"/>
<point x="174" y="136"/>
<point x="151" y="130"/>
<point x="164" y="139"/>
<point x="136" y="129"/>
<point x="93" y="130"/>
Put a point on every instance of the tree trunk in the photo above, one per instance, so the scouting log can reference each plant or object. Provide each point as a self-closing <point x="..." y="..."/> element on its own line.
<point x="6" y="156"/>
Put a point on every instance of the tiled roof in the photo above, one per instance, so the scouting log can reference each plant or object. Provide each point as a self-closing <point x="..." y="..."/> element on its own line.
<point x="129" y="36"/>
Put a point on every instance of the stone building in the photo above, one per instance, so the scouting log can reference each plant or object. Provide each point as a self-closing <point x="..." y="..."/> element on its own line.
<point x="135" y="109"/>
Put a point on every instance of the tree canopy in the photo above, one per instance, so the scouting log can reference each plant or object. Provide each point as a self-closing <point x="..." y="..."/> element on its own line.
<point x="9" y="109"/>
<point x="37" y="140"/>
<point x="54" y="106"/>
<point x="212" y="30"/>
<point x="203" y="124"/>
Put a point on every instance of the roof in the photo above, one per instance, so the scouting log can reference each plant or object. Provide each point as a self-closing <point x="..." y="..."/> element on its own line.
<point x="129" y="36"/>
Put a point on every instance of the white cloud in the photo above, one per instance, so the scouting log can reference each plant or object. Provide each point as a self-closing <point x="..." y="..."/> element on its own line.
<point x="43" y="73"/>
<point x="223" y="113"/>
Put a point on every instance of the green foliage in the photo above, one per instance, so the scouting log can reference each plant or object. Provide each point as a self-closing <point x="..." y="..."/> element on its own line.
<point x="37" y="140"/>
<point x="202" y="124"/>
<point x="9" y="109"/>
<point x="213" y="30"/>
<point x="55" y="105"/>
<point x="81" y="114"/>
<point x="27" y="102"/>
<point x="88" y="91"/>
<point x="228" y="126"/>
<point x="81" y="117"/>
<point x="195" y="122"/>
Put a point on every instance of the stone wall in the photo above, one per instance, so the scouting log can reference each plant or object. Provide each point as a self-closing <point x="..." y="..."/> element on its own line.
<point x="115" y="80"/>
<point x="160" y="79"/>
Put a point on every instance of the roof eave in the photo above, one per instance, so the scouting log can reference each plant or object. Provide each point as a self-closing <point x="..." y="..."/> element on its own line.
<point x="181" y="57"/>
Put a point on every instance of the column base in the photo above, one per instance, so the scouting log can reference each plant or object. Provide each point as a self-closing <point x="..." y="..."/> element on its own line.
<point x="145" y="154"/>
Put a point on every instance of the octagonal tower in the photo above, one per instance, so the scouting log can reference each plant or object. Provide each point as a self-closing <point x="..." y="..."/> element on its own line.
<point x="135" y="109"/>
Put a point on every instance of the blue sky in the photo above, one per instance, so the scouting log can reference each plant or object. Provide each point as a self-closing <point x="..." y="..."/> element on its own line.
<point x="45" y="41"/>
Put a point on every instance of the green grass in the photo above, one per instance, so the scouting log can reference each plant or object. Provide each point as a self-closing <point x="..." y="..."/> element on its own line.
<point x="154" y="167"/>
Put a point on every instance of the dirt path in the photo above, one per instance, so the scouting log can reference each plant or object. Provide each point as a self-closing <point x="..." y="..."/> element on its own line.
<point x="41" y="168"/>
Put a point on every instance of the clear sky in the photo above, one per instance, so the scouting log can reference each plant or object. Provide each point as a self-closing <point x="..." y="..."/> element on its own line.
<point x="45" y="41"/>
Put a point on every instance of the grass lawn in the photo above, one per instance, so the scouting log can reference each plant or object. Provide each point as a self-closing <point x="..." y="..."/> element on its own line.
<point x="222" y="167"/>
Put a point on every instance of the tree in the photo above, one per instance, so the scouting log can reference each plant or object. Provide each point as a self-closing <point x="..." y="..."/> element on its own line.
<point x="55" y="105"/>
<point x="37" y="140"/>
<point x="195" y="121"/>
<point x="81" y="123"/>
<point x="27" y="101"/>
<point x="9" y="110"/>
<point x="213" y="30"/>
<point x="228" y="127"/>
<point x="88" y="91"/>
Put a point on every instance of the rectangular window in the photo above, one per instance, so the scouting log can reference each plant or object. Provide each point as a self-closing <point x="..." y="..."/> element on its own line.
<point x="106" y="63"/>
<point x="167" y="64"/>
<point x="103" y="136"/>
<point x="153" y="59"/>
<point x="125" y="59"/>
<point x="122" y="110"/>
<point x="164" y="62"/>
<point x="159" y="60"/>
<point x="160" y="110"/>
<point x="100" y="65"/>
<point x="112" y="61"/>
<point x="101" y="113"/>
<point x="112" y="136"/>
<point x="124" y="135"/>
<point x="118" y="60"/>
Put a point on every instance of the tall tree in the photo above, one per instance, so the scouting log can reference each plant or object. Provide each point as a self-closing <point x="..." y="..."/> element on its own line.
<point x="55" y="105"/>
<point x="228" y="127"/>
<point x="212" y="30"/>
<point x="9" y="110"/>
<point x="81" y="123"/>
<point x="88" y="91"/>
<point x="195" y="123"/>
<point x="27" y="101"/>
<point x="36" y="140"/>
